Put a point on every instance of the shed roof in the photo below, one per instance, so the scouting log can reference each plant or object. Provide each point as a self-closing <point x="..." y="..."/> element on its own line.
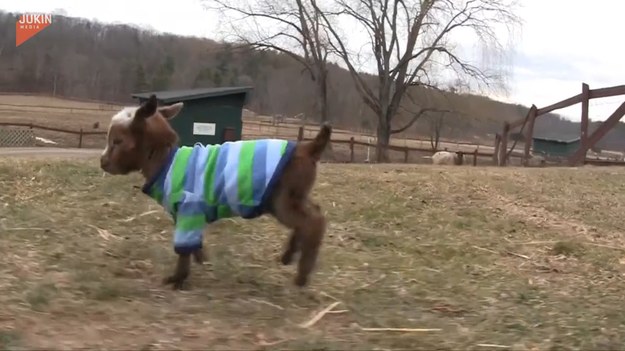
<point x="168" y="96"/>
<point x="556" y="139"/>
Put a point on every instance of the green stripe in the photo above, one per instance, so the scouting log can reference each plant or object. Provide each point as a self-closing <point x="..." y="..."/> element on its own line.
<point x="224" y="211"/>
<point x="209" y="173"/>
<point x="189" y="223"/>
<point x="244" y="175"/>
<point x="177" y="176"/>
<point x="283" y="149"/>
<point x="157" y="194"/>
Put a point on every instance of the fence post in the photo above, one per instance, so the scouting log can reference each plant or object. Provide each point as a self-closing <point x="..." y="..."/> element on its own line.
<point x="475" y="158"/>
<point x="406" y="155"/>
<point x="529" y="133"/>
<point x="496" y="150"/>
<point x="351" y="149"/>
<point x="503" y="151"/>
<point x="80" y="139"/>
<point x="369" y="142"/>
<point x="584" y="122"/>
<point x="300" y="134"/>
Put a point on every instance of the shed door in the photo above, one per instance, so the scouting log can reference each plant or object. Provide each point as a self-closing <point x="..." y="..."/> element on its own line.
<point x="229" y="134"/>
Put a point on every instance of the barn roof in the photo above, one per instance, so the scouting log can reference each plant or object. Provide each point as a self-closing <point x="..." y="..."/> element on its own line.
<point x="167" y="96"/>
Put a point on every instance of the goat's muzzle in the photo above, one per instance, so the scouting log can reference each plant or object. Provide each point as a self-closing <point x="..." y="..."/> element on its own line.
<point x="104" y="163"/>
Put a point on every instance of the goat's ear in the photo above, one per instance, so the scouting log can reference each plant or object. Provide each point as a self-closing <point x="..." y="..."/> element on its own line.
<point x="171" y="111"/>
<point x="147" y="109"/>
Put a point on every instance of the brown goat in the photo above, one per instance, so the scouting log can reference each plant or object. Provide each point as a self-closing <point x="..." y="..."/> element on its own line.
<point x="140" y="139"/>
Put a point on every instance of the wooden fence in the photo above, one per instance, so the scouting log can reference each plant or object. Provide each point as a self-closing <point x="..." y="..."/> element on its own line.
<point x="80" y="133"/>
<point x="301" y="135"/>
<point x="352" y="143"/>
<point x="587" y="141"/>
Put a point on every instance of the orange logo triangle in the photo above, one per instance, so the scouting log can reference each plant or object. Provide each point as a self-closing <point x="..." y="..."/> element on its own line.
<point x="28" y="25"/>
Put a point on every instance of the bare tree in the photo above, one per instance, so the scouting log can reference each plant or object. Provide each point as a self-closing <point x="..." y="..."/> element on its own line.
<point x="293" y="28"/>
<point x="409" y="40"/>
<point x="435" y="123"/>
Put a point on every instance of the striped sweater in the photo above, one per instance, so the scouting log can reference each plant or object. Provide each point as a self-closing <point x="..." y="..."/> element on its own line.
<point x="202" y="184"/>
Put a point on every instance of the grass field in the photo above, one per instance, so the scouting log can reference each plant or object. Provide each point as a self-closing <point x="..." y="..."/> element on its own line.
<point x="469" y="252"/>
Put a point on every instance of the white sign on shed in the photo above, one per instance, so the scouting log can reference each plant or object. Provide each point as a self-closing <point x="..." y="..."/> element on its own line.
<point x="203" y="128"/>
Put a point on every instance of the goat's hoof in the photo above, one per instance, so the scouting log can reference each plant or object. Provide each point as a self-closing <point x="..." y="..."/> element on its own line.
<point x="176" y="282"/>
<point x="199" y="256"/>
<point x="301" y="281"/>
<point x="287" y="258"/>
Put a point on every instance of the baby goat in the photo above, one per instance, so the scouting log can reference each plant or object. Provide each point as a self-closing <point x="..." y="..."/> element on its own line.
<point x="198" y="185"/>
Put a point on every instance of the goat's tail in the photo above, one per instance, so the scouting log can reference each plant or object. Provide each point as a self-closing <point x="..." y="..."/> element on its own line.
<point x="315" y="147"/>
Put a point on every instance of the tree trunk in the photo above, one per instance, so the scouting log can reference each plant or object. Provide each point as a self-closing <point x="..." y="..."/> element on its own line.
<point x="322" y="106"/>
<point x="384" y="137"/>
<point x="54" y="85"/>
<point x="322" y="89"/>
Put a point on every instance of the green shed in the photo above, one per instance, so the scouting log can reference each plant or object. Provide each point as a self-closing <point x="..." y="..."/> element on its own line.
<point x="209" y="115"/>
<point x="555" y="147"/>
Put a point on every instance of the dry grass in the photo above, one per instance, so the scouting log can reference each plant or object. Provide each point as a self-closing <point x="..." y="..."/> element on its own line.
<point x="468" y="252"/>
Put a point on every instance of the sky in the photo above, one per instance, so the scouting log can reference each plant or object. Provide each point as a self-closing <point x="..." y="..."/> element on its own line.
<point x="562" y="43"/>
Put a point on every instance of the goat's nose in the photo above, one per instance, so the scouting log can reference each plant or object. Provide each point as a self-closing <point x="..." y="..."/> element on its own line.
<point x="104" y="162"/>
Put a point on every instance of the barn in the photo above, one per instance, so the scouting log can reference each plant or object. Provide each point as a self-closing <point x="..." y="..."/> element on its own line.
<point x="209" y="115"/>
<point x="555" y="146"/>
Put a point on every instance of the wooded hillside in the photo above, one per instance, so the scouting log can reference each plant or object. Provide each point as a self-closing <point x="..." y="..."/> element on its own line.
<point x="79" y="58"/>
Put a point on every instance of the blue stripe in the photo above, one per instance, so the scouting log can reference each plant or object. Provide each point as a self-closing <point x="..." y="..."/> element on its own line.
<point x="187" y="242"/>
<point x="160" y="182"/>
<point x="167" y="187"/>
<point x="248" y="212"/>
<point x="277" y="173"/>
<point x="273" y="157"/>
<point x="160" y="175"/>
<point x="210" y="213"/>
<point x="231" y="171"/>
<point x="258" y="170"/>
<point x="219" y="180"/>
<point x="190" y="205"/>
<point x="190" y="170"/>
<point x="202" y="157"/>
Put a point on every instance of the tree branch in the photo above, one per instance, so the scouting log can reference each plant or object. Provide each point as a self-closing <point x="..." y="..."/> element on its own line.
<point x="341" y="50"/>
<point x="416" y="116"/>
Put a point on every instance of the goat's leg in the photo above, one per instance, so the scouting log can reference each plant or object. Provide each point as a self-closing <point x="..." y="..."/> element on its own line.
<point x="311" y="237"/>
<point x="199" y="256"/>
<point x="293" y="245"/>
<point x="186" y="238"/>
<point x="183" y="267"/>
<point x="308" y="224"/>
<point x="291" y="248"/>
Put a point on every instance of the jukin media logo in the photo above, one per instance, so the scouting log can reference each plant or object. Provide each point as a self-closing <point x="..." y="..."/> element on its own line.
<point x="30" y="24"/>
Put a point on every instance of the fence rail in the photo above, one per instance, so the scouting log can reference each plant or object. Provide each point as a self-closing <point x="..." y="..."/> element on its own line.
<point x="405" y="149"/>
<point x="587" y="140"/>
<point x="351" y="142"/>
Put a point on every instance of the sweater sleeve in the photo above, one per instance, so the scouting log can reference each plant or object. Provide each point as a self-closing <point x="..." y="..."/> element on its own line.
<point x="189" y="228"/>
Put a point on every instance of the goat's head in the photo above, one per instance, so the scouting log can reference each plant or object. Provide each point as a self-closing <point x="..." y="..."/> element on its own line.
<point x="137" y="133"/>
